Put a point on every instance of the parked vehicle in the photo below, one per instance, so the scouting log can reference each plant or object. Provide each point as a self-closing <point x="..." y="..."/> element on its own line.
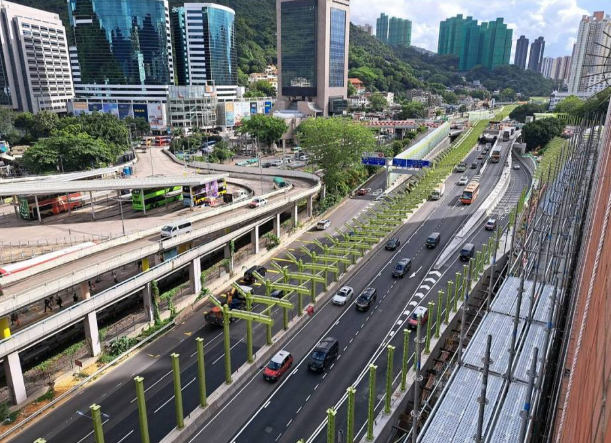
<point x="490" y="224"/>
<point x="402" y="267"/>
<point x="277" y="163"/>
<point x="278" y="365"/>
<point x="412" y="322"/>
<point x="176" y="228"/>
<point x="257" y="202"/>
<point x="342" y="296"/>
<point x="323" y="224"/>
<point x="366" y="299"/>
<point x="323" y="354"/>
<point x="249" y="276"/>
<point x="433" y="240"/>
<point x="392" y="244"/>
<point x="467" y="252"/>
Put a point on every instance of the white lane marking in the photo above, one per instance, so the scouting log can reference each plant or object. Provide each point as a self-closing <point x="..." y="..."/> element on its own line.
<point x="223" y="354"/>
<point x="267" y="404"/>
<point x="88" y="435"/>
<point x="128" y="434"/>
<point x="289" y="423"/>
<point x="426" y="287"/>
<point x="430" y="279"/>
<point x="437" y="273"/>
<point x="419" y="295"/>
<point x="413" y="303"/>
<point x="153" y="385"/>
<point x="299" y="410"/>
<point x="308" y="397"/>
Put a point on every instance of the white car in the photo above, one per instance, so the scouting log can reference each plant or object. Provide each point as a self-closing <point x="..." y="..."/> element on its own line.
<point x="323" y="224"/>
<point x="463" y="180"/>
<point x="516" y="166"/>
<point x="277" y="163"/>
<point x="377" y="192"/>
<point x="342" y="296"/>
<point x="257" y="202"/>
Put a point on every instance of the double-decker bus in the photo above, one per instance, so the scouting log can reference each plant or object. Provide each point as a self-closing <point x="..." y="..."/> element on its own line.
<point x="49" y="205"/>
<point x="205" y="194"/>
<point x="154" y="197"/>
<point x="470" y="193"/>
<point x="495" y="155"/>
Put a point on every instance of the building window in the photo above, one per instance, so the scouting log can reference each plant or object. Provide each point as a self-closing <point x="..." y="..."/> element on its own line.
<point x="337" y="48"/>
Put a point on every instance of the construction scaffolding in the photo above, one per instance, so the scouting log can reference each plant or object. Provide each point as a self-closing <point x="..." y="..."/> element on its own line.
<point x="493" y="392"/>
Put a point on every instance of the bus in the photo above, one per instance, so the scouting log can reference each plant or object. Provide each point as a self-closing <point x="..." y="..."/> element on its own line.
<point x="470" y="193"/>
<point x="495" y="155"/>
<point x="49" y="205"/>
<point x="205" y="194"/>
<point x="155" y="197"/>
<point x="162" y="140"/>
<point x="14" y="268"/>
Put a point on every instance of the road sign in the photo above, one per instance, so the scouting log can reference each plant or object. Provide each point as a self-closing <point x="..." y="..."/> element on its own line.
<point x="409" y="163"/>
<point x="373" y="161"/>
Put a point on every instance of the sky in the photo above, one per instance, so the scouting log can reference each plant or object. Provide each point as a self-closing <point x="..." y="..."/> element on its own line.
<point x="556" y="20"/>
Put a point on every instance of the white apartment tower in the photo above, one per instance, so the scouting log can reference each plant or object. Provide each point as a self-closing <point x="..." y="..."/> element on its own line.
<point x="589" y="72"/>
<point x="35" y="68"/>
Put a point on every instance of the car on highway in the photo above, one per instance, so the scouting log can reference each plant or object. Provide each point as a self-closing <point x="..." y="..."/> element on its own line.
<point x="461" y="167"/>
<point x="249" y="276"/>
<point x="480" y="157"/>
<point x="176" y="228"/>
<point x="377" y="192"/>
<point x="342" y="296"/>
<point x="277" y="163"/>
<point x="278" y="293"/>
<point x="402" y="267"/>
<point x="266" y="165"/>
<point x="278" y="365"/>
<point x="516" y="167"/>
<point x="420" y="311"/>
<point x="467" y="252"/>
<point x="433" y="240"/>
<point x="363" y="191"/>
<point x="474" y="165"/>
<point x="366" y="299"/>
<point x="463" y="180"/>
<point x="323" y="354"/>
<point x="257" y="202"/>
<point x="392" y="244"/>
<point x="323" y="224"/>
<point x="490" y="224"/>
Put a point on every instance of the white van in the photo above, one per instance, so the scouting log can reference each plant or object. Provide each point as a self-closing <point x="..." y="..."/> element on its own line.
<point x="176" y="228"/>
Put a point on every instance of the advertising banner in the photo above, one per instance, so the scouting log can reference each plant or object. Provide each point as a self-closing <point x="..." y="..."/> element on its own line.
<point x="141" y="110"/>
<point x="268" y="107"/>
<point x="156" y="113"/>
<point x="125" y="110"/>
<point x="229" y="114"/>
<point x="79" y="108"/>
<point x="95" y="107"/>
<point x="111" y="108"/>
<point x="253" y="108"/>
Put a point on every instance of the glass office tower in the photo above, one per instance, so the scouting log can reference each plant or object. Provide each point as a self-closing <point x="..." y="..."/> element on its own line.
<point x="122" y="42"/>
<point x="337" y="50"/>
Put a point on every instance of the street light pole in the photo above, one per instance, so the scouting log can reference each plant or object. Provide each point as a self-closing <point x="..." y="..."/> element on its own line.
<point x="122" y="221"/>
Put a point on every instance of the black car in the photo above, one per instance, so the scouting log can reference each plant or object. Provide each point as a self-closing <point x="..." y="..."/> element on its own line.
<point x="402" y="268"/>
<point x="474" y="165"/>
<point x="467" y="252"/>
<point x="366" y="299"/>
<point x="392" y="244"/>
<point x="323" y="354"/>
<point x="266" y="165"/>
<point x="248" y="274"/>
<point x="278" y="293"/>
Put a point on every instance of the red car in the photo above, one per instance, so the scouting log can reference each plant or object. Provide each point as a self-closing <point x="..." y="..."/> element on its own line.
<point x="421" y="311"/>
<point x="362" y="191"/>
<point x="279" y="364"/>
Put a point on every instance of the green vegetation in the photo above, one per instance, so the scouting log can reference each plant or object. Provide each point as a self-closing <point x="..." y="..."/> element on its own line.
<point x="521" y="112"/>
<point x="7" y="417"/>
<point x="505" y="112"/>
<point x="47" y="396"/>
<point x="570" y="105"/>
<point x="377" y="102"/>
<point x="594" y="107"/>
<point x="550" y="154"/>
<point x="540" y="132"/>
<point x="272" y="241"/>
<point x="337" y="145"/>
<point x="117" y="347"/>
<point x="265" y="128"/>
<point x="412" y="110"/>
<point x="524" y="81"/>
<point x="155" y="301"/>
<point x="261" y="88"/>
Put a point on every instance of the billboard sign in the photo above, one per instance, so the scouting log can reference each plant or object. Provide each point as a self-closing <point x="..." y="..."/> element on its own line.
<point x="141" y="110"/>
<point x="268" y="107"/>
<point x="373" y="159"/>
<point x="409" y="163"/>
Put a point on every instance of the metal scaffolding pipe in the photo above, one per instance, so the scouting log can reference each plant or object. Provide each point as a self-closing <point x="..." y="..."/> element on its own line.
<point x="482" y="400"/>
<point x="529" y="395"/>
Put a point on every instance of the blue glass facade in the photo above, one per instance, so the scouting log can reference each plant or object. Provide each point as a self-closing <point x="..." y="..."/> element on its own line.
<point x="219" y="40"/>
<point x="179" y="40"/>
<point x="337" y="49"/>
<point x="122" y="41"/>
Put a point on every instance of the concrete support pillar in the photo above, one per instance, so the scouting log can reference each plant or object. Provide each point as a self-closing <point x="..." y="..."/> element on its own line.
<point x="92" y="335"/>
<point x="310" y="206"/>
<point x="195" y="271"/>
<point x="85" y="291"/>
<point x="227" y="255"/>
<point x="14" y="378"/>
<point x="92" y="205"/>
<point x="147" y="296"/>
<point x="254" y="239"/>
<point x="295" y="215"/>
<point x="148" y="263"/>
<point x="276" y="228"/>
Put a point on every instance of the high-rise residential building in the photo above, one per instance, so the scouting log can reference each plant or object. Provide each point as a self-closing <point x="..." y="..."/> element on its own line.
<point x="312" y="47"/>
<point x="564" y="69"/>
<point x="496" y="44"/>
<point x="589" y="72"/>
<point x="521" y="52"/>
<point x="537" y="49"/>
<point x="549" y="65"/>
<point x="488" y="44"/>
<point x="35" y="67"/>
<point x="367" y="28"/>
<point x="122" y="59"/>
<point x="382" y="25"/>
<point x="205" y="47"/>
<point x="400" y="32"/>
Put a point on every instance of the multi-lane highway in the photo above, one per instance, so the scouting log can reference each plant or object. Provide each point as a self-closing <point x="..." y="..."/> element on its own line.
<point x="294" y="407"/>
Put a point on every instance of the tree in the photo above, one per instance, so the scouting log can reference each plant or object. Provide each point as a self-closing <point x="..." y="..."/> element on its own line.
<point x="44" y="123"/>
<point x="265" y="87"/>
<point x="521" y="112"/>
<point x="140" y="125"/>
<point x="337" y="145"/>
<point x="377" y="102"/>
<point x="450" y="98"/>
<point x="539" y="133"/>
<point x="462" y="108"/>
<point x="508" y="94"/>
<point x="351" y="90"/>
<point x="570" y="105"/>
<point x="253" y="93"/>
<point x="412" y="110"/>
<point x="265" y="128"/>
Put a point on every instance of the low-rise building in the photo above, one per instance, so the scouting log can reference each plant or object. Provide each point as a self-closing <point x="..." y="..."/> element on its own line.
<point x="358" y="102"/>
<point x="557" y="97"/>
<point x="358" y="85"/>
<point x="270" y="75"/>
